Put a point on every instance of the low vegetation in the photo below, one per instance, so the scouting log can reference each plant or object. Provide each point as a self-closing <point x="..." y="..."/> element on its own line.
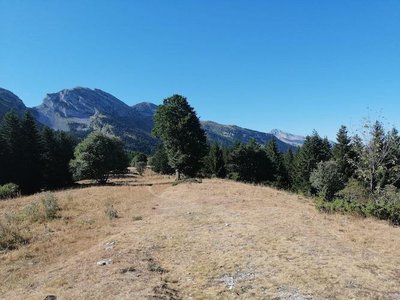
<point x="9" y="190"/>
<point x="50" y="205"/>
<point x="381" y="209"/>
<point x="111" y="212"/>
<point x="11" y="236"/>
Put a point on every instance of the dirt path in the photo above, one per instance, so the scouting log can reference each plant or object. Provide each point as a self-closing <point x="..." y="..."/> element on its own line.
<point x="224" y="240"/>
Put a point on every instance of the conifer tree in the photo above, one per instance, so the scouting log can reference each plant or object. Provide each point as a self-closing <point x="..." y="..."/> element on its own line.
<point x="343" y="153"/>
<point x="249" y="163"/>
<point x="159" y="161"/>
<point x="30" y="173"/>
<point x="215" y="162"/>
<point x="279" y="172"/>
<point x="49" y="158"/>
<point x="11" y="134"/>
<point x="288" y="160"/>
<point x="66" y="144"/>
<point x="176" y="123"/>
<point x="314" y="150"/>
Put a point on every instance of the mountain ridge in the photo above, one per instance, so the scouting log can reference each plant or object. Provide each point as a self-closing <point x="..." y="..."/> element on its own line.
<point x="81" y="110"/>
<point x="10" y="101"/>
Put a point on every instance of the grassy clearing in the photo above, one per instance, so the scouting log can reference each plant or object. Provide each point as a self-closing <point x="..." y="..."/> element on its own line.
<point x="218" y="239"/>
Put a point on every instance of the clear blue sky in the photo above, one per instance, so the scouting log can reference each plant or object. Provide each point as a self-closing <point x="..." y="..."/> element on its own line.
<point x="293" y="65"/>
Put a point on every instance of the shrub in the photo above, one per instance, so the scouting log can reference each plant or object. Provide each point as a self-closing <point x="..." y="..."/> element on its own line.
<point x="137" y="218"/>
<point x="32" y="212"/>
<point x="380" y="210"/>
<point x="140" y="167"/>
<point x="354" y="191"/>
<point x="9" y="190"/>
<point x="50" y="204"/>
<point x="111" y="212"/>
<point x="389" y="194"/>
<point x="10" y="236"/>
<point x="327" y="179"/>
<point x="137" y="158"/>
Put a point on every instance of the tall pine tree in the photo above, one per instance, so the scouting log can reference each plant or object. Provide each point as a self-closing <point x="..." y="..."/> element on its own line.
<point x="314" y="150"/>
<point x="49" y="156"/>
<point x="343" y="153"/>
<point x="214" y="162"/>
<point x="288" y="160"/>
<point x="30" y="173"/>
<point x="11" y="134"/>
<point x="178" y="126"/>
<point x="280" y="174"/>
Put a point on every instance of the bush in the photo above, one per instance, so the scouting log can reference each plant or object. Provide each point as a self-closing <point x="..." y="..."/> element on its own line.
<point x="35" y="212"/>
<point x="354" y="191"/>
<point x="327" y="179"/>
<point x="389" y="194"/>
<point x="32" y="212"/>
<point x="9" y="190"/>
<point x="50" y="204"/>
<point x="97" y="156"/>
<point x="380" y="210"/>
<point x="138" y="158"/>
<point x="10" y="236"/>
<point x="140" y="167"/>
<point x="111" y="212"/>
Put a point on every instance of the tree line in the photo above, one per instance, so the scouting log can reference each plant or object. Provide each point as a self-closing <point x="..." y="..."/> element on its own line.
<point x="357" y="173"/>
<point x="33" y="158"/>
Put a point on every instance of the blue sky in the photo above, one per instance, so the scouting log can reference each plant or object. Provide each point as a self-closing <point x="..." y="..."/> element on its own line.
<point x="293" y="65"/>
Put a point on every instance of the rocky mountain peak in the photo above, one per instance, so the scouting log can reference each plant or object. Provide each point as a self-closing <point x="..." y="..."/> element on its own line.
<point x="288" y="138"/>
<point x="78" y="102"/>
<point x="145" y="108"/>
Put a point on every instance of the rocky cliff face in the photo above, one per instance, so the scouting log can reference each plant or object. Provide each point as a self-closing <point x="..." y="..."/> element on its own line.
<point x="75" y="109"/>
<point x="82" y="110"/>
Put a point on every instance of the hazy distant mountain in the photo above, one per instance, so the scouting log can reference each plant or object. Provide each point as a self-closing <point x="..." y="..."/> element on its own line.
<point x="288" y="138"/>
<point x="9" y="101"/>
<point x="82" y="110"/>
<point x="229" y="134"/>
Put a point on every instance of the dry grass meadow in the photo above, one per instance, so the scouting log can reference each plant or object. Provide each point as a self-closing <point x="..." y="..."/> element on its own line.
<point x="212" y="240"/>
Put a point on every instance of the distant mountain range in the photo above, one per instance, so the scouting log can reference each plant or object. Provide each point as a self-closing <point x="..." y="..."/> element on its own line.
<point x="81" y="110"/>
